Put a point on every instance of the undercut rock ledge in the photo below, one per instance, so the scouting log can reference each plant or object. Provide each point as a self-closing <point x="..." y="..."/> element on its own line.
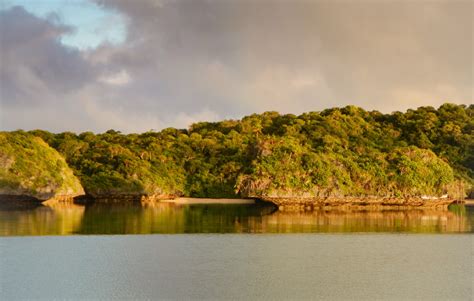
<point x="305" y="204"/>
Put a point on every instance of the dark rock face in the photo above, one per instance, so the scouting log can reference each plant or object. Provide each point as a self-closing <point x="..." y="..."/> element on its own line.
<point x="18" y="202"/>
<point x="18" y="198"/>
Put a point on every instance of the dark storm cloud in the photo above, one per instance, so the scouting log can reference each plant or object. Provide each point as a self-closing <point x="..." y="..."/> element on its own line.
<point x="35" y="67"/>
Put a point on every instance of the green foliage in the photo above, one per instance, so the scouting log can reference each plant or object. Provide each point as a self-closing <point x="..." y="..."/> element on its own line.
<point x="112" y="163"/>
<point x="418" y="171"/>
<point x="28" y="165"/>
<point x="339" y="151"/>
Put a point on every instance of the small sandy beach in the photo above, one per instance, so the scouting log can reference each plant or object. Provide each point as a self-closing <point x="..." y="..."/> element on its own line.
<point x="209" y="201"/>
<point x="469" y="202"/>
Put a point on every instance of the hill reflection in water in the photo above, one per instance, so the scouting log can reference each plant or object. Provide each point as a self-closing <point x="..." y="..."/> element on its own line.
<point x="171" y="218"/>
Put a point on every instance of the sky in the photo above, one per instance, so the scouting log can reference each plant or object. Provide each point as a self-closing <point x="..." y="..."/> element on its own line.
<point x="135" y="66"/>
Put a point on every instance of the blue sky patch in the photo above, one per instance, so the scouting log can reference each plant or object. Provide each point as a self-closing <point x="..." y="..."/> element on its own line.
<point x="93" y="24"/>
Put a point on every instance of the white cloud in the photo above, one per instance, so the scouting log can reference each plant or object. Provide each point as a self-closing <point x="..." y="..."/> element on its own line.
<point x="117" y="79"/>
<point x="184" y="120"/>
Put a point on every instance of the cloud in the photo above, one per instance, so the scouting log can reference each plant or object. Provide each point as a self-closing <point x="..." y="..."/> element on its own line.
<point x="237" y="58"/>
<point x="185" y="61"/>
<point x="119" y="79"/>
<point x="35" y="67"/>
<point x="187" y="119"/>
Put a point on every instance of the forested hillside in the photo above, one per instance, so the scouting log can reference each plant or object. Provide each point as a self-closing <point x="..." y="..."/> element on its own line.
<point x="337" y="152"/>
<point x="28" y="166"/>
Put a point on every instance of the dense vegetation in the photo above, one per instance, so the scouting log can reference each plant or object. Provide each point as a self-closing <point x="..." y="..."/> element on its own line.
<point x="29" y="166"/>
<point x="336" y="152"/>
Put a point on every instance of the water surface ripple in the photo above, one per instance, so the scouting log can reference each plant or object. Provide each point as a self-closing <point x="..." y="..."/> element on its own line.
<point x="238" y="267"/>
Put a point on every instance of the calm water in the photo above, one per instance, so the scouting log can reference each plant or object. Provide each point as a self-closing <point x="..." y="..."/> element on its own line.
<point x="238" y="267"/>
<point x="214" y="218"/>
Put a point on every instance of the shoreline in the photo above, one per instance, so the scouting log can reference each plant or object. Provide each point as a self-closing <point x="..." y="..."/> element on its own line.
<point x="360" y="203"/>
<point x="189" y="201"/>
<point x="282" y="203"/>
<point x="468" y="202"/>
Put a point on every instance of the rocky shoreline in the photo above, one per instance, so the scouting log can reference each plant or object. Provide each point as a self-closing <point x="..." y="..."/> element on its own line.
<point x="283" y="203"/>
<point x="308" y="204"/>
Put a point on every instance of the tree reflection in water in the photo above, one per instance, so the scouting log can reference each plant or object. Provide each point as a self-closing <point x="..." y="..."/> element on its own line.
<point x="67" y="219"/>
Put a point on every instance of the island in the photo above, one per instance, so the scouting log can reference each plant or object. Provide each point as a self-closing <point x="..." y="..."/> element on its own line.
<point x="31" y="169"/>
<point x="336" y="157"/>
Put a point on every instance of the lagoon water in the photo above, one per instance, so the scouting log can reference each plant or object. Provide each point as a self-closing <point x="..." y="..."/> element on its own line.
<point x="60" y="253"/>
<point x="170" y="218"/>
<point x="242" y="267"/>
